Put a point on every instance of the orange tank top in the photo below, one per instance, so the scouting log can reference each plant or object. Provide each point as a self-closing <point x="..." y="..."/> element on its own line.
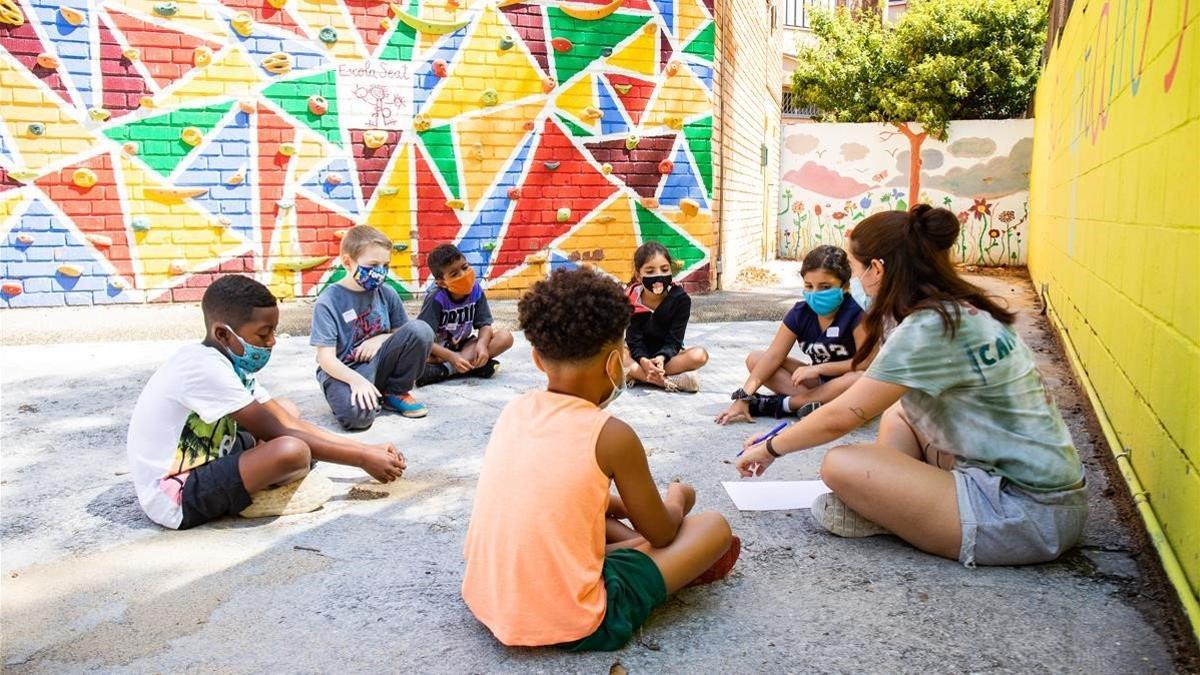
<point x="535" y="545"/>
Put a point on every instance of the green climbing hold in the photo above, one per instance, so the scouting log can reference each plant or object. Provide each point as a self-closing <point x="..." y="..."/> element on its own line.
<point x="328" y="35"/>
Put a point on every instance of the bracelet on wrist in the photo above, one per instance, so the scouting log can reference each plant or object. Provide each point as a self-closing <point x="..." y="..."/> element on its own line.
<point x="771" y="448"/>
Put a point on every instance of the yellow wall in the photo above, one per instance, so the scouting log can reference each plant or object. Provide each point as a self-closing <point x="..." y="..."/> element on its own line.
<point x="1115" y="235"/>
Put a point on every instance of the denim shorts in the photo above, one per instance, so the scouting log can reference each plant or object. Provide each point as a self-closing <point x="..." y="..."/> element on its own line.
<point x="1003" y="524"/>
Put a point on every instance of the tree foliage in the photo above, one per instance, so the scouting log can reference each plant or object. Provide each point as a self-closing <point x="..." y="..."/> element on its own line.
<point x="943" y="60"/>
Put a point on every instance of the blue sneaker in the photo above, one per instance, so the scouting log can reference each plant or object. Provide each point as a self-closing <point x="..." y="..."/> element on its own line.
<point x="405" y="404"/>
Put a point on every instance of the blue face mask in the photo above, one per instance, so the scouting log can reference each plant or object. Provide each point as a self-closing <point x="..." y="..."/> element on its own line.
<point x="252" y="360"/>
<point x="370" y="278"/>
<point x="824" y="302"/>
<point x="859" y="293"/>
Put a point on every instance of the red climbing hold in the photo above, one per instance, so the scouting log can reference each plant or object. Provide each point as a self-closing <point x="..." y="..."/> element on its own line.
<point x="561" y="44"/>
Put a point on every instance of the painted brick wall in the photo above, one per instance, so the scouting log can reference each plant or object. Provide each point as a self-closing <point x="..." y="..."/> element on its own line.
<point x="749" y="56"/>
<point x="147" y="146"/>
<point x="1115" y="234"/>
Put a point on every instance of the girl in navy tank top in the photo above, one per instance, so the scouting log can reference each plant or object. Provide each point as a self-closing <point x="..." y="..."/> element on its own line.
<point x="826" y="327"/>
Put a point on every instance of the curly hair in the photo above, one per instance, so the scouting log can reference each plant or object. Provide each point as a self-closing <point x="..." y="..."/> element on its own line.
<point x="232" y="299"/>
<point x="573" y="315"/>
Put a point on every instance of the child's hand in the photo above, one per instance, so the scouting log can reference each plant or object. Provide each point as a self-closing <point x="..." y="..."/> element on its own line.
<point x="755" y="459"/>
<point x="363" y="393"/>
<point x="383" y="462"/>
<point x="804" y="374"/>
<point x="683" y="492"/>
<point x="460" y="363"/>
<point x="654" y="374"/>
<point x="481" y="356"/>
<point x="367" y="349"/>
<point x="739" y="411"/>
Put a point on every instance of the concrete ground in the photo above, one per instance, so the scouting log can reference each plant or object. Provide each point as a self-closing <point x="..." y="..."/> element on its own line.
<point x="89" y="583"/>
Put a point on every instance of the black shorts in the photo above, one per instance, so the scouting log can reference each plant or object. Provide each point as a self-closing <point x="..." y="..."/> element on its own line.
<point x="215" y="490"/>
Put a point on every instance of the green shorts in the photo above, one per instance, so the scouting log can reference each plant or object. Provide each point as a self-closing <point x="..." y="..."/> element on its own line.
<point x="635" y="587"/>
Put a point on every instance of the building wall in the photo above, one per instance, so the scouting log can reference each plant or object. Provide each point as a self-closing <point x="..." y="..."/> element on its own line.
<point x="834" y="175"/>
<point x="155" y="145"/>
<point x="1115" y="235"/>
<point x="749" y="56"/>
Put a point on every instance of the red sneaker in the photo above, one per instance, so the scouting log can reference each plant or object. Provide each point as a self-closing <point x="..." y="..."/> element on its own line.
<point x="722" y="567"/>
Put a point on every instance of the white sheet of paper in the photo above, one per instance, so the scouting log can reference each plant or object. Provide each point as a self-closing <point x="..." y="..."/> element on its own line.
<point x="778" y="495"/>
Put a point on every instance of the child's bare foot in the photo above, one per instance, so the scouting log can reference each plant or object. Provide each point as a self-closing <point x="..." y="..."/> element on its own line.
<point x="722" y="567"/>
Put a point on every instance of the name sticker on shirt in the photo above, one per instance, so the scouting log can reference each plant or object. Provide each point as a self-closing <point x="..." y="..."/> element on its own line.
<point x="833" y="332"/>
<point x="349" y="316"/>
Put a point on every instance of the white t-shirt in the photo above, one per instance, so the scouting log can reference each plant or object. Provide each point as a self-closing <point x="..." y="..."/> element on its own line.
<point x="181" y="422"/>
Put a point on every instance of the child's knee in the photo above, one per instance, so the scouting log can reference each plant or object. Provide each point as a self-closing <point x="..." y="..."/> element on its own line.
<point x="419" y="331"/>
<point x="715" y="524"/>
<point x="501" y="340"/>
<point x="700" y="354"/>
<point x="292" y="454"/>
<point x="356" y="419"/>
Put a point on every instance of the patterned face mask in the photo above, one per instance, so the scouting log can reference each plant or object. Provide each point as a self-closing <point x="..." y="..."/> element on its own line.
<point x="252" y="360"/>
<point x="371" y="278"/>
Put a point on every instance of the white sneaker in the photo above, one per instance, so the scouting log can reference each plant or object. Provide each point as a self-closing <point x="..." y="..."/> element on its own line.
<point x="832" y="514"/>
<point x="689" y="382"/>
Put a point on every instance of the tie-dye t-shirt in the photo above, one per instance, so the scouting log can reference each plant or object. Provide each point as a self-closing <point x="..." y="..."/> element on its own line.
<point x="979" y="396"/>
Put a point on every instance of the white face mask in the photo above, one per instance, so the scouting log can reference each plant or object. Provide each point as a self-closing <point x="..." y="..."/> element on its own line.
<point x="617" y="389"/>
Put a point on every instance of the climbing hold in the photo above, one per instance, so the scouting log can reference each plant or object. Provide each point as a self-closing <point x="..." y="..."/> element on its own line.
<point x="489" y="97"/>
<point x="328" y="35"/>
<point x="36" y="129"/>
<point x="146" y="102"/>
<point x="173" y="194"/>
<point x="551" y="166"/>
<point x="514" y="193"/>
<point x="277" y="4"/>
<point x="99" y="114"/>
<point x="440" y="68"/>
<point x="243" y="23"/>
<point x="192" y="136"/>
<point x="10" y="13"/>
<point x="561" y="44"/>
<point x="689" y="207"/>
<point x="589" y="12"/>
<point x="318" y="105"/>
<point x="11" y="289"/>
<point x="507" y="43"/>
<point x="83" y="178"/>
<point x="606" y="168"/>
<point x="385" y="23"/>
<point x="528" y="126"/>
<point x="453" y="4"/>
<point x="455" y="204"/>
<point x="178" y="267"/>
<point x="117" y="284"/>
<point x="25" y="239"/>
<point x="47" y="61"/>
<point x="428" y="25"/>
<point x="606" y="52"/>
<point x="224" y="221"/>
<point x="666" y="166"/>
<point x="631" y="141"/>
<point x="23" y="175"/>
<point x="132" y="54"/>
<point x="490" y="246"/>
<point x="99" y="240"/>
<point x="71" y="16"/>
<point x="604" y="220"/>
<point x="477" y="151"/>
<point x="130" y="148"/>
<point x="278" y="63"/>
<point x="674" y="121"/>
<point x="166" y="9"/>
<point x="333" y="179"/>
<point x="388" y="191"/>
<point x="285" y="204"/>
<point x="339" y="233"/>
<point x="247" y="106"/>
<point x="140" y="224"/>
<point x="592" y="113"/>
<point x="548" y="84"/>
<point x="202" y="56"/>
<point x="673" y="68"/>
<point x="623" y="89"/>
<point x="400" y="246"/>
<point x="237" y="178"/>
<point x="68" y="270"/>
<point x="563" y="215"/>
<point x="287" y="149"/>
<point x="374" y="138"/>
<point x="649" y="202"/>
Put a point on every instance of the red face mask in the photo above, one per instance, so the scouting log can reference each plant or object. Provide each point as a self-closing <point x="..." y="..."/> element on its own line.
<point x="462" y="285"/>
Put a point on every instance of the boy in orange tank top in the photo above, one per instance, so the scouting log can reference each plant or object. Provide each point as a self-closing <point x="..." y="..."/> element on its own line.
<point x="553" y="558"/>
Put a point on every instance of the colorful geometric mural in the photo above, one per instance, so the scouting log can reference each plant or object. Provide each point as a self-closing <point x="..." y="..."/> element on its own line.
<point x="834" y="175"/>
<point x="147" y="146"/>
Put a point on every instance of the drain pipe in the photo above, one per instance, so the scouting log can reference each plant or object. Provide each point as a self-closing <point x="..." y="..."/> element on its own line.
<point x="719" y="262"/>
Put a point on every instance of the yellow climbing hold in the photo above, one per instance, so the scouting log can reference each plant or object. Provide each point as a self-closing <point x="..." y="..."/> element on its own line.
<point x="73" y="271"/>
<point x="99" y="114"/>
<point x="428" y="25"/>
<point x="178" y="267"/>
<point x="278" y="63"/>
<point x="301" y="264"/>
<point x="84" y="178"/>
<point x="172" y="194"/>
<point x="689" y="207"/>
<point x="243" y="23"/>
<point x="456" y="204"/>
<point x="192" y="136"/>
<point x="132" y="54"/>
<point x="590" y="12"/>
<point x="202" y="56"/>
<point x="374" y="138"/>
<point x="71" y="16"/>
<point x="287" y="149"/>
<point x="10" y="13"/>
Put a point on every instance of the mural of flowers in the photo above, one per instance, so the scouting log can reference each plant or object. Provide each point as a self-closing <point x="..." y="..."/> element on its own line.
<point x="981" y="208"/>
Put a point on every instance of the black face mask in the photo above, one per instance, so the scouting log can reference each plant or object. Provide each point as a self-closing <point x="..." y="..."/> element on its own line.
<point x="649" y="283"/>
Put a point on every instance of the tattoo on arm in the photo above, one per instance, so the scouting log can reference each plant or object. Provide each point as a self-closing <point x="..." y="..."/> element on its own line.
<point x="858" y="412"/>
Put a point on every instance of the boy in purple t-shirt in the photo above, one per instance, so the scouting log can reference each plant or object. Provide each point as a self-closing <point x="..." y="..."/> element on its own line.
<point x="455" y="307"/>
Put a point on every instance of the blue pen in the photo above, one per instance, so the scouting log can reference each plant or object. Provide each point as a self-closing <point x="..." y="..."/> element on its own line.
<point x="770" y="434"/>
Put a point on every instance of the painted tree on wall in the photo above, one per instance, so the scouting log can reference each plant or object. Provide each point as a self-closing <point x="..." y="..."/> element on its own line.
<point x="946" y="60"/>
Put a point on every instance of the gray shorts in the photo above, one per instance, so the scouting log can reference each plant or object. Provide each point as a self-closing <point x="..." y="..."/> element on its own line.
<point x="1003" y="524"/>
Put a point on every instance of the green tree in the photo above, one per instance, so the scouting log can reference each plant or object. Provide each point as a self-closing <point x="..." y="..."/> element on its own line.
<point x="943" y="60"/>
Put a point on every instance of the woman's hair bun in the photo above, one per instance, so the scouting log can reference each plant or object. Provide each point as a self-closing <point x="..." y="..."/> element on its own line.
<point x="937" y="226"/>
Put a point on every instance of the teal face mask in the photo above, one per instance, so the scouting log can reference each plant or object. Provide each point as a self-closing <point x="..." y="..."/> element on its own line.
<point x="859" y="293"/>
<point x="824" y="302"/>
<point x="252" y="360"/>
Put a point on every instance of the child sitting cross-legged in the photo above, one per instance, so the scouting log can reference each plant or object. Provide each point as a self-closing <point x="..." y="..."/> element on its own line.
<point x="455" y="307"/>
<point x="206" y="438"/>
<point x="549" y="560"/>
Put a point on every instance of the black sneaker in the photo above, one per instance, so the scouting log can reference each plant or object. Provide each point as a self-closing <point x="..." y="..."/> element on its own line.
<point x="485" y="371"/>
<point x="433" y="373"/>
<point x="767" y="406"/>
<point x="807" y="409"/>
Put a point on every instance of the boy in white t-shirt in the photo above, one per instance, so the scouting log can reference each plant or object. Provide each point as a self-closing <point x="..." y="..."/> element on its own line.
<point x="205" y="436"/>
